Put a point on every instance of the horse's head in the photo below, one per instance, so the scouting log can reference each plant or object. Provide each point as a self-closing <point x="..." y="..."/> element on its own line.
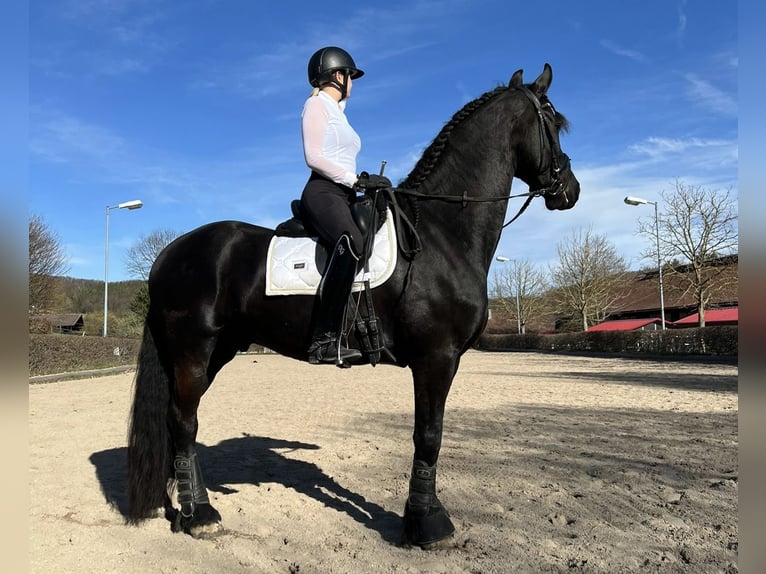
<point x="541" y="163"/>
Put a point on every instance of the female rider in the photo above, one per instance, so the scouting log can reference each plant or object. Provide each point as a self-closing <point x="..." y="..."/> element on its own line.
<point x="330" y="147"/>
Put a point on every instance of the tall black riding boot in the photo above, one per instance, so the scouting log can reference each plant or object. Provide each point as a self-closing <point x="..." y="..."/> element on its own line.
<point x="334" y="291"/>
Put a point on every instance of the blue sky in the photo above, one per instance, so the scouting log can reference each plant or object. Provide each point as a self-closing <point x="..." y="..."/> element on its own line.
<point x="194" y="107"/>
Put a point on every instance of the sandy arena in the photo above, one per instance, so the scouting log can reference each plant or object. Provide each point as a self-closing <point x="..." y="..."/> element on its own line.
<point x="548" y="464"/>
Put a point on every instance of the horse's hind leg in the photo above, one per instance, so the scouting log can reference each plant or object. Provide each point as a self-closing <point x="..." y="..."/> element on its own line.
<point x="425" y="519"/>
<point x="196" y="517"/>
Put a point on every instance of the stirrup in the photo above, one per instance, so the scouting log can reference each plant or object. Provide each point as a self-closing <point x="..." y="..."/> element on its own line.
<point x="327" y="350"/>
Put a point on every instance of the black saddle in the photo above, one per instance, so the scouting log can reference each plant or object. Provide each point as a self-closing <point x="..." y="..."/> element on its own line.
<point x="361" y="211"/>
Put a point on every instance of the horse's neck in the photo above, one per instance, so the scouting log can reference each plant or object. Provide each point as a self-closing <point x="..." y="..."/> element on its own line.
<point x="481" y="168"/>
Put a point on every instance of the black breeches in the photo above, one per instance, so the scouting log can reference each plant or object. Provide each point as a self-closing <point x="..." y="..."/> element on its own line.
<point x="326" y="206"/>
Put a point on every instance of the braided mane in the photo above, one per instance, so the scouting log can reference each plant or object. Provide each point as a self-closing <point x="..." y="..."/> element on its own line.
<point x="431" y="155"/>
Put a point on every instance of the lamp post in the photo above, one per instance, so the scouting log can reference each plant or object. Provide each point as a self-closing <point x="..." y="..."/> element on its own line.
<point x="132" y="204"/>
<point x="639" y="201"/>
<point x="502" y="259"/>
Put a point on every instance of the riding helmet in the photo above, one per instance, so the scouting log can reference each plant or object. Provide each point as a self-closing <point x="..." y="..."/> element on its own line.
<point x="327" y="60"/>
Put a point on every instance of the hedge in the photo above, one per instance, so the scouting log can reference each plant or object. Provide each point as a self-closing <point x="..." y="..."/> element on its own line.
<point x="56" y="353"/>
<point x="53" y="353"/>
<point x="715" y="341"/>
<point x="49" y="354"/>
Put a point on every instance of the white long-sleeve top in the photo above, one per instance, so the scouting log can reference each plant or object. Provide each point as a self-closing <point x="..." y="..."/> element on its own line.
<point x="330" y="144"/>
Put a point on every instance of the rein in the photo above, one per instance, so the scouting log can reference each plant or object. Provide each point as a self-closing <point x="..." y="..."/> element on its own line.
<point x="406" y="231"/>
<point x="465" y="199"/>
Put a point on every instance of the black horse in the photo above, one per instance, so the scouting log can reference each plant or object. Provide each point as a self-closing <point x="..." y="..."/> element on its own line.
<point x="207" y="292"/>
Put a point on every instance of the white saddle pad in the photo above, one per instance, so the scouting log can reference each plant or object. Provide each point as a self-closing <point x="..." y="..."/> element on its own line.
<point x="293" y="263"/>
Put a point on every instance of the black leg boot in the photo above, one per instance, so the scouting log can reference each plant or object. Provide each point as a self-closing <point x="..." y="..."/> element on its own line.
<point x="334" y="291"/>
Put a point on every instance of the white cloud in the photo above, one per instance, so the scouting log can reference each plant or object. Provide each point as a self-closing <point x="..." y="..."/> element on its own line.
<point x="61" y="138"/>
<point x="697" y="153"/>
<point x="681" y="28"/>
<point x="260" y="179"/>
<point x="282" y="67"/>
<point x="105" y="38"/>
<point x="634" y="55"/>
<point x="708" y="96"/>
<point x="659" y="147"/>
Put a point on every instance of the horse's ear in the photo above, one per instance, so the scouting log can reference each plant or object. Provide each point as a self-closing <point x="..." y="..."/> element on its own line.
<point x="516" y="81"/>
<point x="543" y="81"/>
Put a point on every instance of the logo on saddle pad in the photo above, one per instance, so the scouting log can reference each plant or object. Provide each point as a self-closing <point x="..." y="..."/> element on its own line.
<point x="293" y="264"/>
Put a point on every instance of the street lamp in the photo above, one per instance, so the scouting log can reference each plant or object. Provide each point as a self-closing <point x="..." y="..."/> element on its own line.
<point x="132" y="204"/>
<point x="502" y="259"/>
<point x="639" y="201"/>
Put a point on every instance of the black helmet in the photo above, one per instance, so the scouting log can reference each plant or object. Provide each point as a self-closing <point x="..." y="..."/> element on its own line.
<point x="328" y="60"/>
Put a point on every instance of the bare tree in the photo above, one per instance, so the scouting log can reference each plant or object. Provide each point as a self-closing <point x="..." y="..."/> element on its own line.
<point x="586" y="281"/>
<point x="699" y="225"/>
<point x="47" y="259"/>
<point x="139" y="261"/>
<point x="141" y="255"/>
<point x="519" y="288"/>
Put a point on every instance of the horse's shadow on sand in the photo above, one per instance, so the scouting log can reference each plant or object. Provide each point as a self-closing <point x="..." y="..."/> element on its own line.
<point x="254" y="460"/>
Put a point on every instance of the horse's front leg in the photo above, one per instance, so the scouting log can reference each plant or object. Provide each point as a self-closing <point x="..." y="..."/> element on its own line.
<point x="196" y="516"/>
<point x="425" y="519"/>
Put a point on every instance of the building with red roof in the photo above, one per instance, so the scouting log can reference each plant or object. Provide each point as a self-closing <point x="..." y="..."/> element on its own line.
<point x="629" y="325"/>
<point x="725" y="316"/>
<point x="637" y="304"/>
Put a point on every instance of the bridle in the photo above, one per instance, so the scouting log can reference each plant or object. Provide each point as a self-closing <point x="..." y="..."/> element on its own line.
<point x="559" y="160"/>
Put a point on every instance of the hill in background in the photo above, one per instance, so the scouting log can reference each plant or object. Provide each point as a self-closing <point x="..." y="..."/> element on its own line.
<point x="87" y="295"/>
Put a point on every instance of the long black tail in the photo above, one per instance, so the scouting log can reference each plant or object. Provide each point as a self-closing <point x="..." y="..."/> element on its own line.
<point x="149" y="439"/>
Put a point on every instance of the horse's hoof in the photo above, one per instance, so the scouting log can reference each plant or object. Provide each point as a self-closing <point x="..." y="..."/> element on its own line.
<point x="205" y="522"/>
<point x="205" y="531"/>
<point x="446" y="543"/>
<point x="443" y="544"/>
<point x="429" y="529"/>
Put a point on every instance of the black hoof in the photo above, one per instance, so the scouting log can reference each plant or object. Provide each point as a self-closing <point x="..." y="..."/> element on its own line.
<point x="205" y="522"/>
<point x="425" y="526"/>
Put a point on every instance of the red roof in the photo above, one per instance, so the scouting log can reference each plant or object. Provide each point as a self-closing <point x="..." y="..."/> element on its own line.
<point x="727" y="315"/>
<point x="623" y="325"/>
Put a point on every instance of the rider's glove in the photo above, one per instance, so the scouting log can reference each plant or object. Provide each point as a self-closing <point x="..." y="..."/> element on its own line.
<point x="368" y="181"/>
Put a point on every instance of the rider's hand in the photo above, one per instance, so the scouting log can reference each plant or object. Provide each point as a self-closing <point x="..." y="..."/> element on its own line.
<point x="372" y="181"/>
